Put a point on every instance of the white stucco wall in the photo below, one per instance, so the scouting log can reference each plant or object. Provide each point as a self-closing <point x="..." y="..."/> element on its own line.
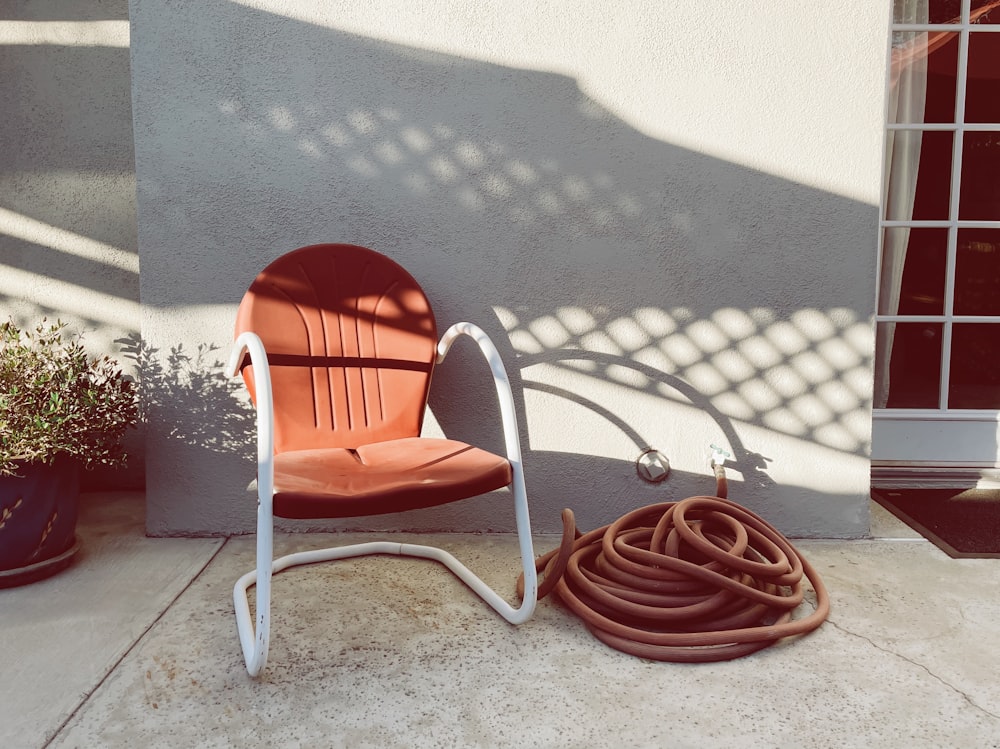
<point x="68" y="244"/>
<point x="665" y="216"/>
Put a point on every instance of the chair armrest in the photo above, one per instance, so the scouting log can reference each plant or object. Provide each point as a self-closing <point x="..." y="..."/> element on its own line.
<point x="250" y="342"/>
<point x="513" y="444"/>
<point x="489" y="350"/>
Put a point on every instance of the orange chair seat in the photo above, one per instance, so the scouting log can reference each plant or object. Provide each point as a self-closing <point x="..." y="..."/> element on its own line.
<point x="391" y="476"/>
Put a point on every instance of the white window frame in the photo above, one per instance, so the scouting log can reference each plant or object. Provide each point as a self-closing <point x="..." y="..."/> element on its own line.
<point x="895" y="442"/>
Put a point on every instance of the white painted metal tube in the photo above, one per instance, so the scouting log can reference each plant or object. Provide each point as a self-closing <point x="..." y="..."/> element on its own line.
<point x="513" y="445"/>
<point x="255" y="640"/>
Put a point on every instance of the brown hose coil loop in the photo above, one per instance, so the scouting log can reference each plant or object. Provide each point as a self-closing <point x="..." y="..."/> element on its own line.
<point x="694" y="581"/>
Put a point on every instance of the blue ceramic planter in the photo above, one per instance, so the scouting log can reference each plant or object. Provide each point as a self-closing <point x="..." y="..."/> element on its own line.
<point x="38" y="512"/>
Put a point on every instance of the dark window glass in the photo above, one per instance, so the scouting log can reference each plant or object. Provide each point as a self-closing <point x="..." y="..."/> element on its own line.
<point x="922" y="290"/>
<point x="982" y="89"/>
<point x="915" y="369"/>
<point x="934" y="176"/>
<point x="939" y="11"/>
<point x="974" y="381"/>
<point x="980" y="192"/>
<point x="985" y="11"/>
<point x="977" y="273"/>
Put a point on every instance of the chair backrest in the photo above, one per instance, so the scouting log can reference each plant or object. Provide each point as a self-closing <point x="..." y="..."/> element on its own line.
<point x="351" y="341"/>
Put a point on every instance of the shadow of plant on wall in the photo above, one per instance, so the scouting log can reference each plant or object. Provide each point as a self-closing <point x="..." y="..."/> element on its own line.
<point x="219" y="417"/>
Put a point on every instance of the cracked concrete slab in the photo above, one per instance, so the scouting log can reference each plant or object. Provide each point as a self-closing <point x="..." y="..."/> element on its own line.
<point x="916" y="603"/>
<point x="61" y="636"/>
<point x="390" y="652"/>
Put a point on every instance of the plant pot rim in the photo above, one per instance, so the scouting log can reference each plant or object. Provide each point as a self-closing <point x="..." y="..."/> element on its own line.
<point x="39" y="570"/>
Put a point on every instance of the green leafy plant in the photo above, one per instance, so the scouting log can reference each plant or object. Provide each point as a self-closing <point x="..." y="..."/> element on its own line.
<point x="57" y="400"/>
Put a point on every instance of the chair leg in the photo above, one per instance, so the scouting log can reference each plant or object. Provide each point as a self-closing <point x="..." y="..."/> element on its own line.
<point x="255" y="640"/>
<point x="525" y="544"/>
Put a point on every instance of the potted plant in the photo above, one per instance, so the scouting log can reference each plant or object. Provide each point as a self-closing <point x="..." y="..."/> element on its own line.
<point x="60" y="409"/>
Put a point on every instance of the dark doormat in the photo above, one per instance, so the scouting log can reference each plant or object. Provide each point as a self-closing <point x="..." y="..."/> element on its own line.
<point x="962" y="523"/>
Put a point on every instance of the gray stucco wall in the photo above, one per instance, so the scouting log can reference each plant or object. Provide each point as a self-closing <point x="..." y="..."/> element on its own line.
<point x="68" y="242"/>
<point x="666" y="221"/>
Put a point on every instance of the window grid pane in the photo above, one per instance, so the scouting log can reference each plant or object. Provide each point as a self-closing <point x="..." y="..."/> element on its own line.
<point x="917" y="276"/>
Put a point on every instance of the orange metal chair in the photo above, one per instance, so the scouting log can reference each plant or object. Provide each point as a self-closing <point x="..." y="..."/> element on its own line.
<point x="337" y="345"/>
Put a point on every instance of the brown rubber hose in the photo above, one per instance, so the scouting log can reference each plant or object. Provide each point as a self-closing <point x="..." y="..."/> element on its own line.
<point x="694" y="581"/>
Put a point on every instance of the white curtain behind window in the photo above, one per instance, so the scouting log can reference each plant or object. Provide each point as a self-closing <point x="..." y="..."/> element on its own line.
<point x="907" y="96"/>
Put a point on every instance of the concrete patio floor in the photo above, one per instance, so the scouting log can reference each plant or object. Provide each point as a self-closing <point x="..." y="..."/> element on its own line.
<point x="135" y="645"/>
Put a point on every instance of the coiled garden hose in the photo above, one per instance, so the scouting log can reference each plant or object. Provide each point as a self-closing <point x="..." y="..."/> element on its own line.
<point x="694" y="581"/>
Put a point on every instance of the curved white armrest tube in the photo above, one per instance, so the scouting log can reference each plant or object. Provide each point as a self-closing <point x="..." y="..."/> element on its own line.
<point x="502" y="382"/>
<point x="255" y="640"/>
<point x="251" y="342"/>
<point x="513" y="445"/>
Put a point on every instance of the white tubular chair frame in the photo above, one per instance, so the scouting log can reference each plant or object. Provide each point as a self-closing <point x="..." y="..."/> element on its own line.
<point x="254" y="639"/>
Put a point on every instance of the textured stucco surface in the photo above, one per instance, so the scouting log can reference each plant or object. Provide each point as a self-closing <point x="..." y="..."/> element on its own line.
<point x="68" y="242"/>
<point x="666" y="219"/>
